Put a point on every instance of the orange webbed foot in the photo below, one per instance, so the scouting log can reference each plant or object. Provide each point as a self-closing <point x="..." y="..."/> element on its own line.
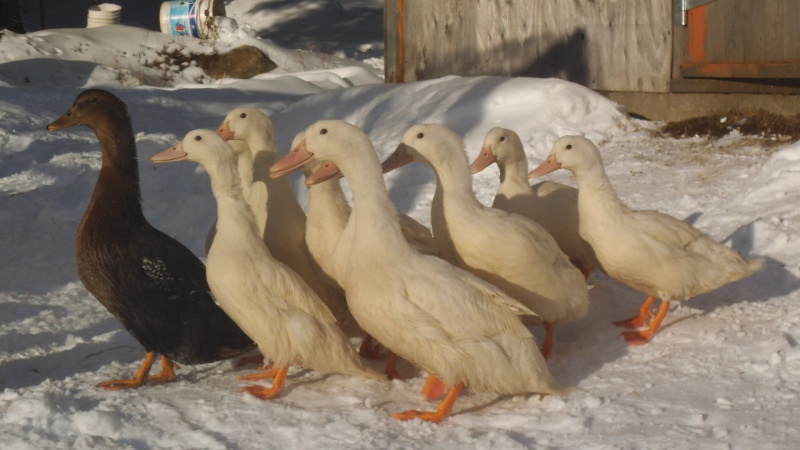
<point x="262" y="392"/>
<point x="268" y="374"/>
<point x="442" y="412"/>
<point x="118" y="385"/>
<point x="636" y="338"/>
<point x="137" y="381"/>
<point x="167" y="373"/>
<point x="640" y="320"/>
<point x="269" y="393"/>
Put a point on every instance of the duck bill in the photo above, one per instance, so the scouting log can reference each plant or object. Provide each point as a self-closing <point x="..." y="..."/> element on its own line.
<point x="294" y="160"/>
<point x="550" y="164"/>
<point x="224" y="130"/>
<point x="398" y="159"/>
<point x="70" y="118"/>
<point x="171" y="154"/>
<point x="328" y="171"/>
<point x="484" y="160"/>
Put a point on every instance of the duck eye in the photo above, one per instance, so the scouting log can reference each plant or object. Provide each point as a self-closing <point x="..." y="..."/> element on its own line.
<point x="198" y="138"/>
<point x="569" y="146"/>
<point x="243" y="115"/>
<point x="502" y="139"/>
<point x="92" y="100"/>
<point x="420" y="135"/>
<point x="323" y="131"/>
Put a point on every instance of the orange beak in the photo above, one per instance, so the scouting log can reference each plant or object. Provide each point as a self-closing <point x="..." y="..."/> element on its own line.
<point x="224" y="130"/>
<point x="171" y="154"/>
<point x="398" y="159"/>
<point x="550" y="164"/>
<point x="326" y="172"/>
<point x="483" y="160"/>
<point x="294" y="160"/>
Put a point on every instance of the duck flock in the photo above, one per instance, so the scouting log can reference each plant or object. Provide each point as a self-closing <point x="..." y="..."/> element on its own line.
<point x="300" y="286"/>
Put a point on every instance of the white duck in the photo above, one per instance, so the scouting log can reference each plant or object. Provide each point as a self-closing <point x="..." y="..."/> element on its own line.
<point x="647" y="250"/>
<point x="552" y="205"/>
<point x="508" y="250"/>
<point x="328" y="213"/>
<point x="279" y="217"/>
<point x="265" y="298"/>
<point x="446" y="321"/>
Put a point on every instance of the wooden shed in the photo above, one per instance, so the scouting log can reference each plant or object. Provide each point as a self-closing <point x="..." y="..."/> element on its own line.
<point x="637" y="52"/>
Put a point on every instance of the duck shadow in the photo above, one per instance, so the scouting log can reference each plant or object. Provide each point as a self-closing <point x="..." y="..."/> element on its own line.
<point x="18" y="311"/>
<point x="584" y="346"/>
<point x="770" y="282"/>
<point x="81" y="358"/>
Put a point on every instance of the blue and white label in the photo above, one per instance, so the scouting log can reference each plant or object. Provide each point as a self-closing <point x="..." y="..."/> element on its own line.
<point x="182" y="18"/>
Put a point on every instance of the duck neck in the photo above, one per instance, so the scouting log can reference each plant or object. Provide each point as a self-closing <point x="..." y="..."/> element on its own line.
<point x="595" y="190"/>
<point x="371" y="202"/>
<point x="117" y="191"/>
<point x="244" y="164"/>
<point x="327" y="202"/>
<point x="513" y="177"/>
<point x="454" y="184"/>
<point x="232" y="210"/>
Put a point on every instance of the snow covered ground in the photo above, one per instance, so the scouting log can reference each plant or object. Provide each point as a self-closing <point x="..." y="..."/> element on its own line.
<point x="724" y="372"/>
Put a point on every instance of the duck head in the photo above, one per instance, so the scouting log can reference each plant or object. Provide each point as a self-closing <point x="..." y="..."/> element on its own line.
<point x="431" y="143"/>
<point x="571" y="153"/>
<point x="202" y="146"/>
<point x="328" y="142"/>
<point x="246" y="123"/>
<point x="96" y="109"/>
<point x="500" y="145"/>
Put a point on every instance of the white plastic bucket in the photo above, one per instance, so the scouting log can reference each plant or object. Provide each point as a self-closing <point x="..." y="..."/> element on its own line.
<point x="190" y="17"/>
<point x="103" y="14"/>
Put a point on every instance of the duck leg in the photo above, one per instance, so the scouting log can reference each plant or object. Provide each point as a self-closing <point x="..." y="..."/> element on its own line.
<point x="549" y="337"/>
<point x="434" y="388"/>
<point x="137" y="381"/>
<point x="444" y="409"/>
<point x="642" y="337"/>
<point x="642" y="319"/>
<point x="167" y="373"/>
<point x="269" y="393"/>
<point x="391" y="367"/>
<point x="268" y="374"/>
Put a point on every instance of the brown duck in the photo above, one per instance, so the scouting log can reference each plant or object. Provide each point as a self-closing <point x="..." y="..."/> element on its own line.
<point x="150" y="282"/>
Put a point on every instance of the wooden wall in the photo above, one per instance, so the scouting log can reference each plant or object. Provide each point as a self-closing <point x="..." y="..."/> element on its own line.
<point x="613" y="45"/>
<point x="739" y="46"/>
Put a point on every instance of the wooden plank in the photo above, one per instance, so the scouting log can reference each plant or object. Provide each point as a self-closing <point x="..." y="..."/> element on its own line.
<point x="391" y="42"/>
<point x="620" y="45"/>
<point x="741" y="70"/>
<point x="696" y="85"/>
<point x="439" y="39"/>
<point x="791" y="30"/>
<point x="773" y="45"/>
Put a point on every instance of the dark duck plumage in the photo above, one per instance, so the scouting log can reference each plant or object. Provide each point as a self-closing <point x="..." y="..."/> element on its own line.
<point x="150" y="282"/>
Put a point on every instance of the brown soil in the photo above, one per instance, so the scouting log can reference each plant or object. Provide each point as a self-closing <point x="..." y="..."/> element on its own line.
<point x="759" y="123"/>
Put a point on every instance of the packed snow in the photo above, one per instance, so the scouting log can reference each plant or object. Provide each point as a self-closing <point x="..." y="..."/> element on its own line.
<point x="723" y="372"/>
